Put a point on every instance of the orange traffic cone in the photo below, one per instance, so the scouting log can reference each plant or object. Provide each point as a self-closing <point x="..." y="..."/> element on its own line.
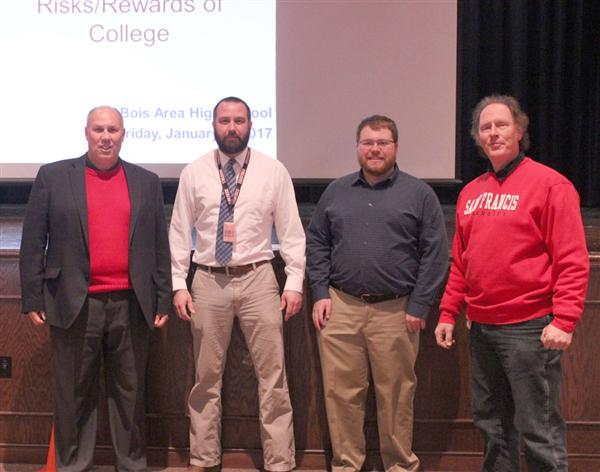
<point x="51" y="460"/>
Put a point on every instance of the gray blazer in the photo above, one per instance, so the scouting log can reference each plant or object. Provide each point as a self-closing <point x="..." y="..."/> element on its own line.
<point x="54" y="258"/>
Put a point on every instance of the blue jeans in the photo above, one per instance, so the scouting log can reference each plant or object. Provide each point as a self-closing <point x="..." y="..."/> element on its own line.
<point x="515" y="386"/>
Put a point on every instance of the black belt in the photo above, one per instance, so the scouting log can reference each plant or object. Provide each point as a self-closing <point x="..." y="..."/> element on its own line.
<point x="230" y="271"/>
<point x="369" y="297"/>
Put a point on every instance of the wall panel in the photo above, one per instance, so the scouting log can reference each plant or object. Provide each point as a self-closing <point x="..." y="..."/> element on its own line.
<point x="444" y="435"/>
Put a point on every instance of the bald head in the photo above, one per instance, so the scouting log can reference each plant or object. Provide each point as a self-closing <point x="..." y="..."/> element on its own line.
<point x="104" y="133"/>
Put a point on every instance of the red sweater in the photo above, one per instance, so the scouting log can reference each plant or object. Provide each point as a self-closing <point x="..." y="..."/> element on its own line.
<point x="108" y="226"/>
<point x="519" y="251"/>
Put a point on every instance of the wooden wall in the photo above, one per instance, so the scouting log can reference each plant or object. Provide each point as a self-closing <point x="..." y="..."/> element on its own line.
<point x="444" y="435"/>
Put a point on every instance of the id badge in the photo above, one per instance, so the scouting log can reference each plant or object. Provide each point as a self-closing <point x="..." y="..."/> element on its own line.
<point x="229" y="231"/>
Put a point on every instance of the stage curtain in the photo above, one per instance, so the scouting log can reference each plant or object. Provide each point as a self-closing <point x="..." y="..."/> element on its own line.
<point x="547" y="54"/>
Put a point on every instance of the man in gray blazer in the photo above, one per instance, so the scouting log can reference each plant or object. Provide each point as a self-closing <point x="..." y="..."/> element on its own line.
<point x="95" y="267"/>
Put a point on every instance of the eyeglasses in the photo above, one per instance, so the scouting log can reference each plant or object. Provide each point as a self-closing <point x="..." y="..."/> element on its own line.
<point x="369" y="143"/>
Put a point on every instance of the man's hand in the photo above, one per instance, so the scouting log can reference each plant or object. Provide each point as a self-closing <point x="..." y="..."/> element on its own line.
<point x="37" y="317"/>
<point x="182" y="303"/>
<point x="291" y="302"/>
<point x="321" y="313"/>
<point x="414" y="324"/>
<point x="555" y="338"/>
<point x="160" y="320"/>
<point x="444" y="335"/>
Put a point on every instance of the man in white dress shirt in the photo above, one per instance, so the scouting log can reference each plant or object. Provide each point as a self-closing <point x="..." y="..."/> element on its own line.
<point x="232" y="197"/>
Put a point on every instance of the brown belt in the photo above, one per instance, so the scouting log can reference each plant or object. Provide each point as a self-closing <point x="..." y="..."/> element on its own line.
<point x="370" y="297"/>
<point x="230" y="271"/>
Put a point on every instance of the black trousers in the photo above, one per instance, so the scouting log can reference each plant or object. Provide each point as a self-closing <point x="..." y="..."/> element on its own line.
<point x="111" y="328"/>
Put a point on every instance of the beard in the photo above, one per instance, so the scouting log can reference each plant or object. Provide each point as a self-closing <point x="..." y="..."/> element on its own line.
<point x="232" y="143"/>
<point x="376" y="170"/>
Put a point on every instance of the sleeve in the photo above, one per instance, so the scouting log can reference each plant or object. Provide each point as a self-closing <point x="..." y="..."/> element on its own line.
<point x="290" y="232"/>
<point x="164" y="289"/>
<point x="180" y="231"/>
<point x="456" y="287"/>
<point x="33" y="246"/>
<point x="433" y="258"/>
<point x="563" y="233"/>
<point x="319" y="247"/>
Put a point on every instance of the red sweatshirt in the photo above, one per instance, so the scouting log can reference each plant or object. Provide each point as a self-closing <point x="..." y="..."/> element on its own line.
<point x="519" y="251"/>
<point x="108" y="225"/>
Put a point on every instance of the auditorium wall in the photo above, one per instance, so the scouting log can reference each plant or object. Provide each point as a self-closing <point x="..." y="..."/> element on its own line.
<point x="444" y="435"/>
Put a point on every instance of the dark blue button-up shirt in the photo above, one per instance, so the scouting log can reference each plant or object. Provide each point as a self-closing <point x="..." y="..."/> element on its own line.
<point x="386" y="239"/>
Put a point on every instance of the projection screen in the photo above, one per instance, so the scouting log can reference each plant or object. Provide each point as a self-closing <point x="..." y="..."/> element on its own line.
<point x="310" y="70"/>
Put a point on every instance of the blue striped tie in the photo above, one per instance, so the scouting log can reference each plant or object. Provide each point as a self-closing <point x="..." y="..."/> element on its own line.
<point x="224" y="249"/>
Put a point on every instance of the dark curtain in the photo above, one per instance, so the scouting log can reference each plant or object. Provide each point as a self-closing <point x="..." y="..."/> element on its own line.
<point x="547" y="54"/>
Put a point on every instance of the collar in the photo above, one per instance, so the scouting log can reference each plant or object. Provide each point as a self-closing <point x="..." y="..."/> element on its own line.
<point x="239" y="158"/>
<point x="509" y="168"/>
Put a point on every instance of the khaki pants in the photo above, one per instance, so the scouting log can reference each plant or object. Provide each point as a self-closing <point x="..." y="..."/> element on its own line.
<point x="360" y="336"/>
<point x="254" y="299"/>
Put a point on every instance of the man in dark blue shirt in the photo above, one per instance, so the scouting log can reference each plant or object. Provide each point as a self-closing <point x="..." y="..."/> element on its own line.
<point x="377" y="254"/>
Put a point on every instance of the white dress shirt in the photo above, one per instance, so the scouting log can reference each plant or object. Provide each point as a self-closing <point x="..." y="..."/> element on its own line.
<point x="266" y="198"/>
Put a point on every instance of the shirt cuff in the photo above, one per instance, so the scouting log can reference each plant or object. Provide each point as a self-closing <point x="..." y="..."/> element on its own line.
<point x="294" y="283"/>
<point x="319" y="292"/>
<point x="417" y="309"/>
<point x="179" y="284"/>
<point x="447" y="318"/>
<point x="563" y="324"/>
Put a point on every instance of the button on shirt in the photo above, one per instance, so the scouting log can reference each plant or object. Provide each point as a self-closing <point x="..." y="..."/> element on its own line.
<point x="266" y="198"/>
<point x="388" y="239"/>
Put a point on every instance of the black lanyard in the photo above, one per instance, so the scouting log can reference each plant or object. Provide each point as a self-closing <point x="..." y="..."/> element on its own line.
<point x="231" y="202"/>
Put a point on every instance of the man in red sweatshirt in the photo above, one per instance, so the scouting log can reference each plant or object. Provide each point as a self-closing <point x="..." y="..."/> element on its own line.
<point x="95" y="267"/>
<point x="521" y="267"/>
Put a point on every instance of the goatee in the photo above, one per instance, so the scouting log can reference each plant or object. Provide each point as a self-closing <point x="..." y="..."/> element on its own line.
<point x="232" y="144"/>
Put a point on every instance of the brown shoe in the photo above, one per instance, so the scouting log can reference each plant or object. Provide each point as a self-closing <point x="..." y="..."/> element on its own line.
<point x="197" y="468"/>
